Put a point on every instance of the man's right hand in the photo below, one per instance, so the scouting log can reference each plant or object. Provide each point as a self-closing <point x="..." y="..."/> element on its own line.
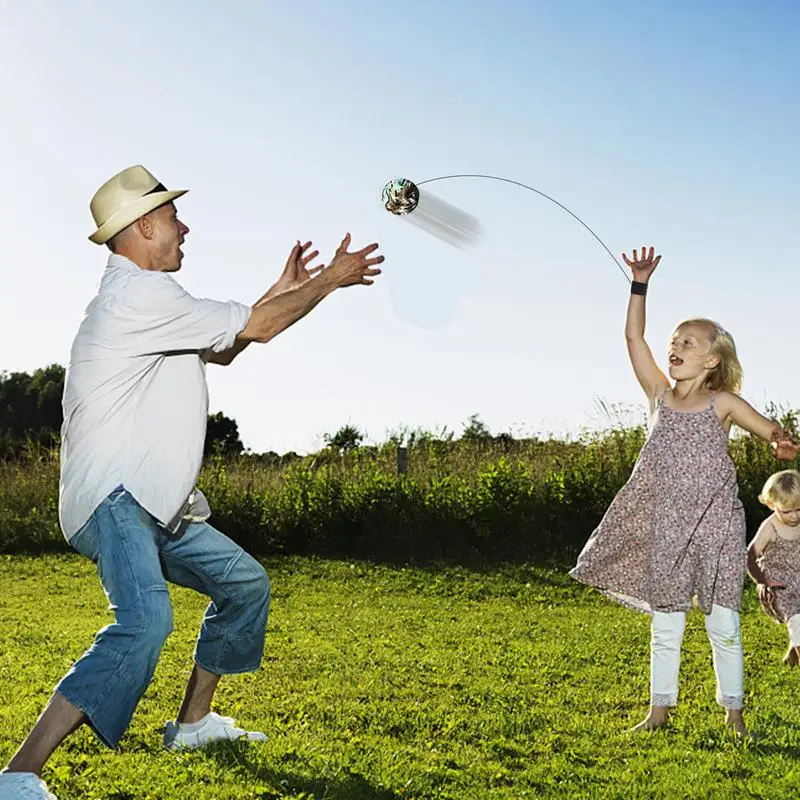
<point x="272" y="315"/>
<point x="295" y="271"/>
<point x="351" y="269"/>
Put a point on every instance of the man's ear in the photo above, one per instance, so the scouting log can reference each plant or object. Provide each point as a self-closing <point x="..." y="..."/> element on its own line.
<point x="145" y="226"/>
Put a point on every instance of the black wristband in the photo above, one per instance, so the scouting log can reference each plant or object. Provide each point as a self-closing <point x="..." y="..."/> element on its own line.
<point x="638" y="288"/>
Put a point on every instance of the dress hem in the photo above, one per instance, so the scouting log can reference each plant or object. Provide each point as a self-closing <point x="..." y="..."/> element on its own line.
<point x="643" y="606"/>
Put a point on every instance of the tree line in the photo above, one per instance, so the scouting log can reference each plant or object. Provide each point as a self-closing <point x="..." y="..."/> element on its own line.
<point x="31" y="412"/>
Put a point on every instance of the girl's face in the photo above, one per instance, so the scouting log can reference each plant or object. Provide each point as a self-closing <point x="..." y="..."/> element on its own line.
<point x="788" y="514"/>
<point x="690" y="352"/>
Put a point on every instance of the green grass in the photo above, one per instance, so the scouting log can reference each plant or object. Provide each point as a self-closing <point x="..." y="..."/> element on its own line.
<point x="383" y="683"/>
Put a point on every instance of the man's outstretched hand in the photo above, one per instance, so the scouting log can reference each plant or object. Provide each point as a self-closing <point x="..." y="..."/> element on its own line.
<point x="296" y="270"/>
<point x="356" y="268"/>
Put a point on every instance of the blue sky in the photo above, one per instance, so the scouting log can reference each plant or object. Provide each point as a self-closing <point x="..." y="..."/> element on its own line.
<point x="673" y="124"/>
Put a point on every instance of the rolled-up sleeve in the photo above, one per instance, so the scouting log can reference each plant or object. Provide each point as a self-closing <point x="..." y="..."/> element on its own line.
<point x="160" y="316"/>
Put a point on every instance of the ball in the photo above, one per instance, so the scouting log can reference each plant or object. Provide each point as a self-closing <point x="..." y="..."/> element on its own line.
<point x="400" y="196"/>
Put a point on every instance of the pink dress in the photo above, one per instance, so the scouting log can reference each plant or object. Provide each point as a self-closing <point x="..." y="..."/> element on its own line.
<point x="780" y="562"/>
<point x="675" y="532"/>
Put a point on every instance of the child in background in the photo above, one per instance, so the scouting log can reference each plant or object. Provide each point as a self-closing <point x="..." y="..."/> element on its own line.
<point x="675" y="533"/>
<point x="773" y="558"/>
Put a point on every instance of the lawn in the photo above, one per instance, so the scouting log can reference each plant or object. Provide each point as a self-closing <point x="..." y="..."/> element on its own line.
<point x="381" y="684"/>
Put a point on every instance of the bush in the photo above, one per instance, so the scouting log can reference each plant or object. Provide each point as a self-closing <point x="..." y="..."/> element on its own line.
<point x="474" y="500"/>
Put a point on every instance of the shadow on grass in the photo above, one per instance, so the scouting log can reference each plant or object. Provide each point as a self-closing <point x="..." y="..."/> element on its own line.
<point x="470" y="561"/>
<point x="771" y="735"/>
<point x="347" y="785"/>
<point x="765" y="737"/>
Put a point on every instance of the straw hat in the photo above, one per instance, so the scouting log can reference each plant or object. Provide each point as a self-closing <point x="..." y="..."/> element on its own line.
<point x="126" y="197"/>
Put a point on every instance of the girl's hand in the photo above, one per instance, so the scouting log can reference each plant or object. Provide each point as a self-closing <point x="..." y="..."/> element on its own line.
<point x="642" y="268"/>
<point x="783" y="446"/>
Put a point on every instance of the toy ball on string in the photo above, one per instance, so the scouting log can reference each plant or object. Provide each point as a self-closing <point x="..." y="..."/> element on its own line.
<point x="403" y="198"/>
<point x="400" y="196"/>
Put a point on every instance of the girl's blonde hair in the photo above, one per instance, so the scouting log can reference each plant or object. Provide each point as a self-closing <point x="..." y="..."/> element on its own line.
<point x="727" y="375"/>
<point x="781" y="489"/>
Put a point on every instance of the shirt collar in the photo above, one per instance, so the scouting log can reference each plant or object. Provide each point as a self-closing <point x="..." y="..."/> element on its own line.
<point x="117" y="261"/>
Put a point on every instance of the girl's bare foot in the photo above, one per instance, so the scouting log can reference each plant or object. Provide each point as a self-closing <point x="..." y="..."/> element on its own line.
<point x="734" y="721"/>
<point x="657" y="717"/>
<point x="791" y="659"/>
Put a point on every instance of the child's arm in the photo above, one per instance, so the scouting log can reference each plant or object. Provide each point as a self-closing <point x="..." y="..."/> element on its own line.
<point x="650" y="377"/>
<point x="764" y="536"/>
<point x="738" y="411"/>
<point x="766" y="587"/>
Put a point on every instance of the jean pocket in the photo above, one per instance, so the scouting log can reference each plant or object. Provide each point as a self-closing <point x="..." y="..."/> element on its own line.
<point x="85" y="540"/>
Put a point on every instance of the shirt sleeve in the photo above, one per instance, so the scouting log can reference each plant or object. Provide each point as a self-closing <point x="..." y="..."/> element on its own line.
<point x="158" y="315"/>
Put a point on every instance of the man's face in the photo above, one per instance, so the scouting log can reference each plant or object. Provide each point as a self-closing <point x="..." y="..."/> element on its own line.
<point x="168" y="236"/>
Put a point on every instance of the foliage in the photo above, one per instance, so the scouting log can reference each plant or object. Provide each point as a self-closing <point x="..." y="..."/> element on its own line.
<point x="476" y="430"/>
<point x="31" y="413"/>
<point x="30" y="408"/>
<point x="347" y="438"/>
<point x="461" y="501"/>
<point x="222" y="436"/>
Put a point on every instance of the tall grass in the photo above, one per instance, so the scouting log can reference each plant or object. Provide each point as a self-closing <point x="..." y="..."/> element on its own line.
<point x="476" y="501"/>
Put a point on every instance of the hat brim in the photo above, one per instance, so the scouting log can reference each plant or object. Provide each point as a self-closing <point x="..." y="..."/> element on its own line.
<point x="128" y="215"/>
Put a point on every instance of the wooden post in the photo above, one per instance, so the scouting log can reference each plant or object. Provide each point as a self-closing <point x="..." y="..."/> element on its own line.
<point x="402" y="460"/>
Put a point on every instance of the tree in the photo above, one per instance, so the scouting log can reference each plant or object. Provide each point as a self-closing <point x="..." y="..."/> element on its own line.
<point x="347" y="438"/>
<point x="30" y="409"/>
<point x="476" y="430"/>
<point x="222" y="436"/>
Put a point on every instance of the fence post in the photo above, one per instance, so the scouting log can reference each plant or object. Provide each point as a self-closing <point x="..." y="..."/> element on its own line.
<point x="402" y="460"/>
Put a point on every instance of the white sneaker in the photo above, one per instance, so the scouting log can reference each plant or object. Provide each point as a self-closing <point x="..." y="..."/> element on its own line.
<point x="23" y="786"/>
<point x="212" y="728"/>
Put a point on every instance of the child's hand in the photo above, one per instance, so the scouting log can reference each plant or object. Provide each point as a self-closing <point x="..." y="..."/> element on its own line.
<point x="766" y="595"/>
<point x="643" y="267"/>
<point x="783" y="446"/>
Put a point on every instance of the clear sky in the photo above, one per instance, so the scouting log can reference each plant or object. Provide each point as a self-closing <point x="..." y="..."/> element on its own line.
<point x="667" y="123"/>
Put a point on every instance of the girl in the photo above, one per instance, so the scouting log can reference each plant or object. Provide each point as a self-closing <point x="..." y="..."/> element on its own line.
<point x="676" y="530"/>
<point x="773" y="558"/>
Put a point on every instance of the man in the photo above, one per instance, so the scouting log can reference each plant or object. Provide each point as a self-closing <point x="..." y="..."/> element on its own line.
<point x="135" y="411"/>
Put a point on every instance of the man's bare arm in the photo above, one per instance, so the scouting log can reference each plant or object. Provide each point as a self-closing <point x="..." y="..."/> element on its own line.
<point x="294" y="273"/>
<point x="281" y="307"/>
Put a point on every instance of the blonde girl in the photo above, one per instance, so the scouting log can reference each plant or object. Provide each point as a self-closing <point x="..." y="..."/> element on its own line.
<point x="675" y="533"/>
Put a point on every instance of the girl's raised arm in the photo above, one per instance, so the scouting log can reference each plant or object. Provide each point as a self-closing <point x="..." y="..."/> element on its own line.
<point x="650" y="377"/>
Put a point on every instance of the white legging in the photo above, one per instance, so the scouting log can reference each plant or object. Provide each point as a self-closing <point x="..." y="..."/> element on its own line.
<point x="722" y="626"/>
<point x="793" y="625"/>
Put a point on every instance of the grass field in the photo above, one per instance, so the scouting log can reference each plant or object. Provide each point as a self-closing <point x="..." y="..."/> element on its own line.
<point x="383" y="683"/>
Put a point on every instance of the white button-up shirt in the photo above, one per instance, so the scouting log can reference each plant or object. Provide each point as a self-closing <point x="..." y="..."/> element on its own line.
<point x="135" y="397"/>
